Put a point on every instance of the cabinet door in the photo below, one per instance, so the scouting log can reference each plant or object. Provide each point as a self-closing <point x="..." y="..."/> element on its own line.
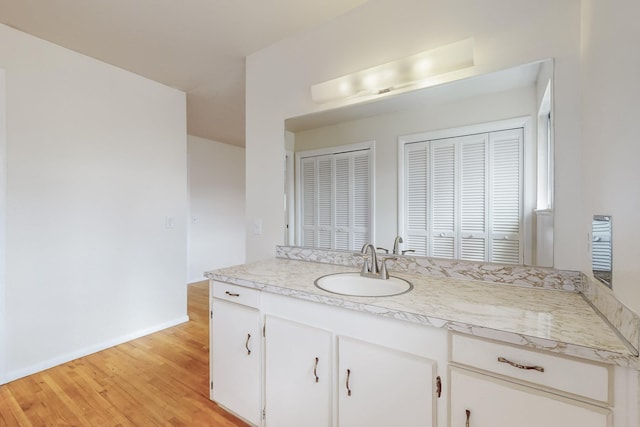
<point x="298" y="373"/>
<point x="496" y="403"/>
<point x="236" y="351"/>
<point x="379" y="386"/>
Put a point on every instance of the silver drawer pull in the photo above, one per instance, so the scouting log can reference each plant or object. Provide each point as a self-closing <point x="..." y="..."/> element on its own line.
<point x="246" y="345"/>
<point x="231" y="294"/>
<point x="517" y="365"/>
<point x="315" y="370"/>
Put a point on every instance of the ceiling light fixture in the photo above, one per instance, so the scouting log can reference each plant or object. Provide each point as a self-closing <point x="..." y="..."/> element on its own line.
<point x="420" y="70"/>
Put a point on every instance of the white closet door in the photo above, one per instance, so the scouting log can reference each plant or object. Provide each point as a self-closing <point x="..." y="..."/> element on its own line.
<point x="416" y="187"/>
<point x="308" y="217"/>
<point x="443" y="198"/>
<point x="336" y="197"/>
<point x="362" y="199"/>
<point x="325" y="202"/>
<point x="505" y="148"/>
<point x="473" y="193"/>
<point x="343" y="202"/>
<point x="462" y="197"/>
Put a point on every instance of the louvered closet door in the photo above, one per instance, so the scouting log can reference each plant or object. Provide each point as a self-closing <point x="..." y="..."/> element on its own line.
<point x="361" y="198"/>
<point x="309" y="192"/>
<point x="505" y="151"/>
<point x="473" y="193"/>
<point x="325" y="202"/>
<point x="343" y="205"/>
<point x="443" y="198"/>
<point x="416" y="187"/>
<point x="336" y="200"/>
<point x="352" y="199"/>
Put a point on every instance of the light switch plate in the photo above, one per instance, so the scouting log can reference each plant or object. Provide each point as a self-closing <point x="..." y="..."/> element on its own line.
<point x="257" y="226"/>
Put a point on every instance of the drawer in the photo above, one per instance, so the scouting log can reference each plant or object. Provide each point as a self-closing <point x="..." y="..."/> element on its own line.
<point x="571" y="375"/>
<point x="234" y="293"/>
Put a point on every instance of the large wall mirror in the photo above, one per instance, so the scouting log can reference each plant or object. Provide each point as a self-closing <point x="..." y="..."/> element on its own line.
<point x="357" y="174"/>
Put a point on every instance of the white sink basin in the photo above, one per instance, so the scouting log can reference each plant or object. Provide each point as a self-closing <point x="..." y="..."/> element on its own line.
<point x="354" y="284"/>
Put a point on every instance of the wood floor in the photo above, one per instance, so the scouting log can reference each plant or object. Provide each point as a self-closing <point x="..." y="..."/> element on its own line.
<point x="158" y="380"/>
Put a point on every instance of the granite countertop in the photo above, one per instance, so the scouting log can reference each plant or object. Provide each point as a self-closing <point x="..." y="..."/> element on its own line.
<point x="557" y="321"/>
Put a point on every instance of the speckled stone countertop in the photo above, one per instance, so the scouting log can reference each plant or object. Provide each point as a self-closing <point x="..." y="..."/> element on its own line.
<point x="557" y="321"/>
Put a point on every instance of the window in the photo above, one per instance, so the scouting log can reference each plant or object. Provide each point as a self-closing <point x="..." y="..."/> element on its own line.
<point x="462" y="196"/>
<point x="335" y="202"/>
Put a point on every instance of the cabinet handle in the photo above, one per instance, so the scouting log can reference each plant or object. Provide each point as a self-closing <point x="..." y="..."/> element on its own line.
<point x="315" y="370"/>
<point x="348" y="375"/>
<point x="246" y="345"/>
<point x="231" y="294"/>
<point x="438" y="386"/>
<point x="468" y="416"/>
<point x="517" y="365"/>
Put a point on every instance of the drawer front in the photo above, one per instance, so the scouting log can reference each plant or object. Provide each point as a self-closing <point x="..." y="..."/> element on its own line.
<point x="484" y="400"/>
<point x="234" y="293"/>
<point x="580" y="378"/>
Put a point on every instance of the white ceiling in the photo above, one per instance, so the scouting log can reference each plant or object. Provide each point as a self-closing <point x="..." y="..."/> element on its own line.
<point x="198" y="46"/>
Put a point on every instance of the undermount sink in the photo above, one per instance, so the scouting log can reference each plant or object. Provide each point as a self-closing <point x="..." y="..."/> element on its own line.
<point x="354" y="284"/>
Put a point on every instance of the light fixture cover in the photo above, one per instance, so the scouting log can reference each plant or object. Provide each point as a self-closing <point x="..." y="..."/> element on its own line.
<point x="409" y="71"/>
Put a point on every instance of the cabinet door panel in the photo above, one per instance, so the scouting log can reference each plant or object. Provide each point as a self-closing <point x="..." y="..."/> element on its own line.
<point x="388" y="387"/>
<point x="496" y="403"/>
<point x="298" y="374"/>
<point x="236" y="351"/>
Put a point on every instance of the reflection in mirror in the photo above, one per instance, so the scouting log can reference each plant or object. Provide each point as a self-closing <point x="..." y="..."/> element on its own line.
<point x="601" y="249"/>
<point x="329" y="204"/>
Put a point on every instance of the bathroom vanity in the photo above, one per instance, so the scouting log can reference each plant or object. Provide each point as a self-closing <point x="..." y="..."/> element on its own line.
<point x="450" y="352"/>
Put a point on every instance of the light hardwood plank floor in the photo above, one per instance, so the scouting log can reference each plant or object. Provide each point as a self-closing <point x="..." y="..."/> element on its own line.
<point x="158" y="380"/>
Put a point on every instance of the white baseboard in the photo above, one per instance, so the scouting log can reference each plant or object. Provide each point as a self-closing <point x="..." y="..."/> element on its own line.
<point x="46" y="364"/>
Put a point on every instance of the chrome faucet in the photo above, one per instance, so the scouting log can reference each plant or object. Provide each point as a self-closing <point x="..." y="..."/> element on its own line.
<point x="396" y="244"/>
<point x="373" y="269"/>
<point x="369" y="268"/>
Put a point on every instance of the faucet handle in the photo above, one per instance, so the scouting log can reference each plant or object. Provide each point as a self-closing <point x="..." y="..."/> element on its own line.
<point x="365" y="264"/>
<point x="386" y="251"/>
<point x="384" y="273"/>
<point x="406" y="251"/>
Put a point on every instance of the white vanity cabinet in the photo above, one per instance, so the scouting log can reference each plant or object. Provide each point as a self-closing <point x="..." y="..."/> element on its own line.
<point x="498" y="385"/>
<point x="326" y="366"/>
<point x="236" y="350"/>
<point x="280" y="360"/>
<point x="381" y="386"/>
<point x="298" y="374"/>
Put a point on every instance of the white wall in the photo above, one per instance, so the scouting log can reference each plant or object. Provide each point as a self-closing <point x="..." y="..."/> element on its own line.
<point x="216" y="206"/>
<point x="611" y="148"/>
<point x="506" y="33"/>
<point x="96" y="162"/>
